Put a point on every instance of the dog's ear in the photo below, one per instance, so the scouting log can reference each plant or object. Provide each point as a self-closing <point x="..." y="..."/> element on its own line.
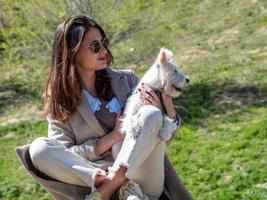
<point x="165" y="55"/>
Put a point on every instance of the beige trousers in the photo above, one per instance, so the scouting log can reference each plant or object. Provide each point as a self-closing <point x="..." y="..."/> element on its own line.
<point x="143" y="155"/>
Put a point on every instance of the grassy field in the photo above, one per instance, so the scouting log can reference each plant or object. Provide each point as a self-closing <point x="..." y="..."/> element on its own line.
<point x="220" y="151"/>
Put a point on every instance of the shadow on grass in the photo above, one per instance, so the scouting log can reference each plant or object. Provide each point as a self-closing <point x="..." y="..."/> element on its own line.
<point x="16" y="94"/>
<point x="201" y="100"/>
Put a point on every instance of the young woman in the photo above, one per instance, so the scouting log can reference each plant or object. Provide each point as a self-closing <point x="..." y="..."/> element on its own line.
<point x="83" y="100"/>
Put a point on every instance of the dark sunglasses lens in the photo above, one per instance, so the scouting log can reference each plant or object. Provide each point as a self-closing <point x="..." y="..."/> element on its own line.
<point x="96" y="47"/>
<point x="105" y="43"/>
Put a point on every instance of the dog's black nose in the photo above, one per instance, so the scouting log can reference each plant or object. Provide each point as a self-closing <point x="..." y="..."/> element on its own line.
<point x="187" y="80"/>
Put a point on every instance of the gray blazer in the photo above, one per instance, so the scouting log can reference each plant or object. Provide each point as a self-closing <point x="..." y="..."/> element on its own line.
<point x="122" y="81"/>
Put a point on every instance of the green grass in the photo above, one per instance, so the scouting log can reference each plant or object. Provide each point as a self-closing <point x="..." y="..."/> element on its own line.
<point x="226" y="157"/>
<point x="14" y="182"/>
<point x="220" y="151"/>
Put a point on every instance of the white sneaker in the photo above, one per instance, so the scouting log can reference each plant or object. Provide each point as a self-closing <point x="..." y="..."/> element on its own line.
<point x="131" y="191"/>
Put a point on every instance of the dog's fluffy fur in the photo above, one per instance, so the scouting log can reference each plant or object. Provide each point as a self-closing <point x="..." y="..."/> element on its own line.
<point x="164" y="77"/>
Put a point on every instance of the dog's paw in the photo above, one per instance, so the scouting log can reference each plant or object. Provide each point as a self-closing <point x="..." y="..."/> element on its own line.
<point x="136" y="130"/>
<point x="134" y="127"/>
<point x="125" y="128"/>
<point x="166" y="132"/>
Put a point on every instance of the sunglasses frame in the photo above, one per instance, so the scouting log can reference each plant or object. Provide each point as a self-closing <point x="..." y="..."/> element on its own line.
<point x="102" y="44"/>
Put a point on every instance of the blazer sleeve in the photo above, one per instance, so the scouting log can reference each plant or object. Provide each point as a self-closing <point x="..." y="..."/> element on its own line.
<point x="134" y="78"/>
<point x="86" y="149"/>
<point x="177" y="125"/>
<point x="131" y="77"/>
<point x="62" y="132"/>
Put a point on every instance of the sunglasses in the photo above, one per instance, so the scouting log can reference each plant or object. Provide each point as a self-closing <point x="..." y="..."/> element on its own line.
<point x="96" y="45"/>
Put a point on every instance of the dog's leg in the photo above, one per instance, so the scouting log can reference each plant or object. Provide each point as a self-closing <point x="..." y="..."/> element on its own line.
<point x="130" y="127"/>
<point x="130" y="123"/>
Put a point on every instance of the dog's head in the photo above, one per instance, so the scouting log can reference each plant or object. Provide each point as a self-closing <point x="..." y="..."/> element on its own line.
<point x="172" y="82"/>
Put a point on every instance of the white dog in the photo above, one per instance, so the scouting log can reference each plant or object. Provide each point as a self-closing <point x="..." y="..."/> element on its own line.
<point x="163" y="78"/>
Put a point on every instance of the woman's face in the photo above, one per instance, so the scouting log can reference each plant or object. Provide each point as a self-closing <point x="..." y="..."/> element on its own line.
<point x="86" y="59"/>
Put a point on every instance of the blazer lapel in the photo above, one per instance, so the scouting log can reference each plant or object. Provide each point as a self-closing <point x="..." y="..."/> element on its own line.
<point x="86" y="112"/>
<point x="121" y="89"/>
<point x="120" y="86"/>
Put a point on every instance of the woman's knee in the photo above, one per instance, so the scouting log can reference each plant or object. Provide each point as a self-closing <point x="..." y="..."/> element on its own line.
<point x="40" y="150"/>
<point x="150" y="115"/>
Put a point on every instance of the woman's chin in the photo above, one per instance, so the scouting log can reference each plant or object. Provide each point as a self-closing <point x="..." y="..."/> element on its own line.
<point x="102" y="67"/>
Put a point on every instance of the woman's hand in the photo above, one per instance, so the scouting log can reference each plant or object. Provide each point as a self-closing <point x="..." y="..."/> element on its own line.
<point x="150" y="97"/>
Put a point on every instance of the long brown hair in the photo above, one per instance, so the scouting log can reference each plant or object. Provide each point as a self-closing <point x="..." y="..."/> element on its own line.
<point x="63" y="88"/>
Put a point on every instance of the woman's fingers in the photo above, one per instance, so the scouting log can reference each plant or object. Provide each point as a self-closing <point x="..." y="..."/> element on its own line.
<point x="148" y="102"/>
<point x="146" y="97"/>
<point x="149" y="96"/>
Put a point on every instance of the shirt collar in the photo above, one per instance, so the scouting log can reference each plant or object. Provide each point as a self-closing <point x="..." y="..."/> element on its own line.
<point x="113" y="105"/>
<point x="94" y="102"/>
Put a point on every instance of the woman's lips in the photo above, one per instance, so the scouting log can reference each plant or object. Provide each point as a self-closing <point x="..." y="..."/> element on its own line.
<point x="102" y="59"/>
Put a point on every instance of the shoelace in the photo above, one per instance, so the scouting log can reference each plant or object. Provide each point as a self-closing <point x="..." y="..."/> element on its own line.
<point x="127" y="188"/>
<point x="93" y="196"/>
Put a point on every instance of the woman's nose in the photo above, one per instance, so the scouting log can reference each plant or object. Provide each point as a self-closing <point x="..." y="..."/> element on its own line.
<point x="103" y="50"/>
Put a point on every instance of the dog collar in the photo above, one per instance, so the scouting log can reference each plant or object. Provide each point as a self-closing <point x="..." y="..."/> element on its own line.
<point x="159" y="94"/>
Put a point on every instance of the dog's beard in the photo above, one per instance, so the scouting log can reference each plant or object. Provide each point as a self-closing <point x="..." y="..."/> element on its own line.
<point x="172" y="91"/>
<point x="172" y="87"/>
